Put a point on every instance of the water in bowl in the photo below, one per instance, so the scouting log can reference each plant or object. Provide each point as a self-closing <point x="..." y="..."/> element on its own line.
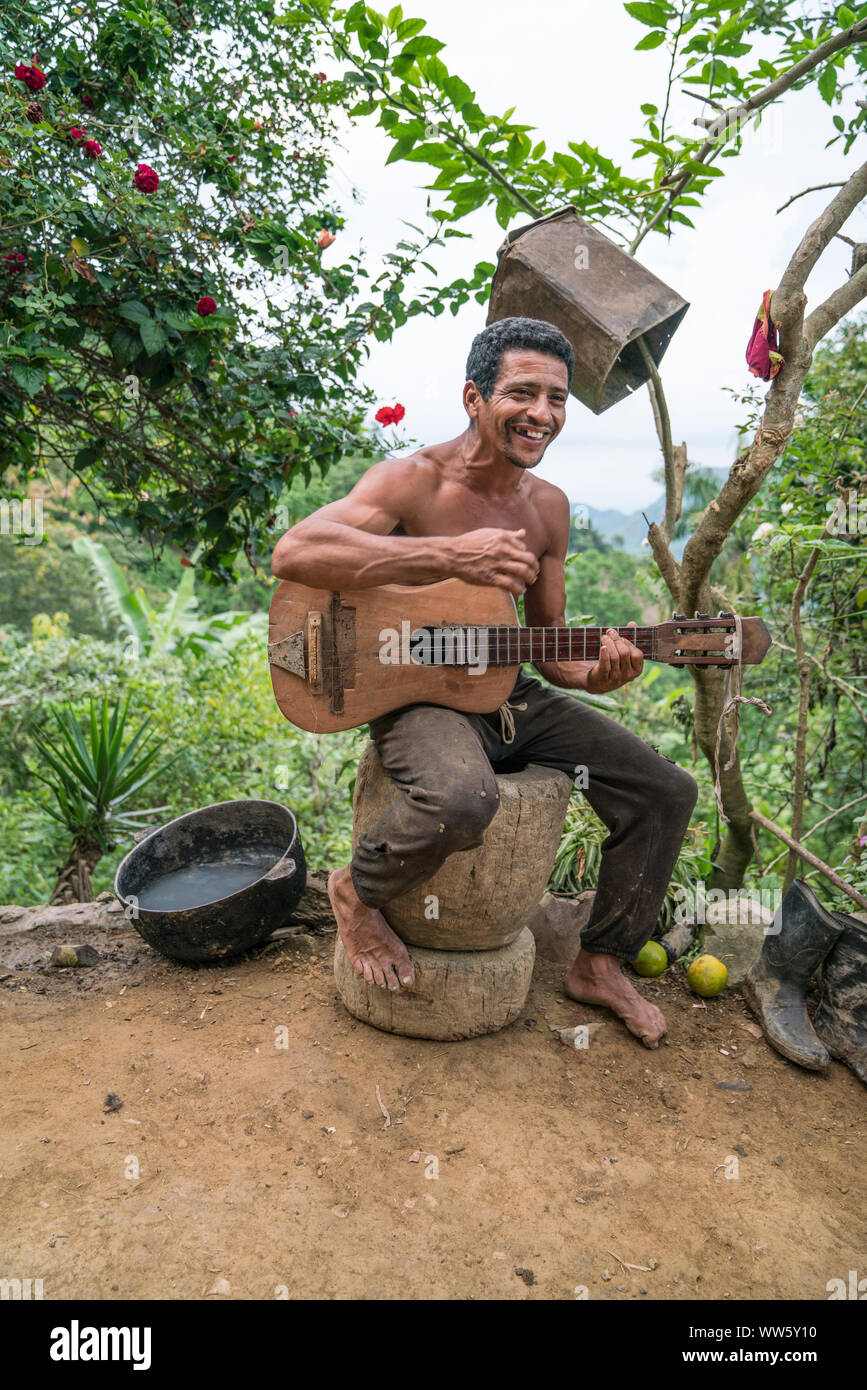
<point x="195" y="885"/>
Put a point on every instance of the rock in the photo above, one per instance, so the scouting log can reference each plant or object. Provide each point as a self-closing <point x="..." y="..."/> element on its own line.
<point x="66" y="956"/>
<point x="734" y="932"/>
<point x="733" y="1085"/>
<point x="455" y="994"/>
<point x="579" y="1036"/>
<point x="527" y="1275"/>
<point x="557" y="924"/>
<point x="112" y="1102"/>
<point x="479" y="899"/>
<point x="66" y="917"/>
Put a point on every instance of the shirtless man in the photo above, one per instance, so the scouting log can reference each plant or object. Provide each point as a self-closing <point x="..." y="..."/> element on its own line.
<point x="473" y="509"/>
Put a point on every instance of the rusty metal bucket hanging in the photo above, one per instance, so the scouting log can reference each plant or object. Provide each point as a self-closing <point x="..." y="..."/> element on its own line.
<point x="565" y="271"/>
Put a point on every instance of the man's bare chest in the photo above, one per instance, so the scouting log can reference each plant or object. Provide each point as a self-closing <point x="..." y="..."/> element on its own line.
<point x="456" y="510"/>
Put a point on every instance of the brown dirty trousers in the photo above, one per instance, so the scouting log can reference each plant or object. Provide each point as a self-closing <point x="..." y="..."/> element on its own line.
<point x="444" y="763"/>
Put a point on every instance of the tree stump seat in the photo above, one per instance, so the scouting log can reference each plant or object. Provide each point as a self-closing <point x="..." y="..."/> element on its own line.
<point x="465" y="927"/>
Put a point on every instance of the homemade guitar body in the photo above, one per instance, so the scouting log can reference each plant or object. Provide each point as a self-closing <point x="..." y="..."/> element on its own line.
<point x="340" y="658"/>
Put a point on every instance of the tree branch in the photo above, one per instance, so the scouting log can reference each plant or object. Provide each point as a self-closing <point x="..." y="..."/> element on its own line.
<point x="815" y="240"/>
<point x="857" y="33"/>
<point x="804" y="191"/>
<point x="810" y="858"/>
<point x="828" y="314"/>
<point x="818" y="826"/>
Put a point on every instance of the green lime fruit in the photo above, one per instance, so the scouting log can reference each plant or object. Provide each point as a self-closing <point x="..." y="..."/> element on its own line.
<point x="651" y="960"/>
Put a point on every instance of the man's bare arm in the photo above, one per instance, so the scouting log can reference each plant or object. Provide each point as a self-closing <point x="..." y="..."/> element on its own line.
<point x="347" y="544"/>
<point x="545" y="606"/>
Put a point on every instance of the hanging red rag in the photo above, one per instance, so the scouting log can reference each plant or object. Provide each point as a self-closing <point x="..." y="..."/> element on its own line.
<point x="762" y="356"/>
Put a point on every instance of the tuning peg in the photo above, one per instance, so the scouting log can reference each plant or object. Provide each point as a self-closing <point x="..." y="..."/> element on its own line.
<point x="679" y="617"/>
<point x="702" y="617"/>
<point x="721" y="614"/>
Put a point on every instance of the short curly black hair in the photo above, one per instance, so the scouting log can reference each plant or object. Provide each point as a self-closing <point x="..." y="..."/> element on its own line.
<point x="536" y="335"/>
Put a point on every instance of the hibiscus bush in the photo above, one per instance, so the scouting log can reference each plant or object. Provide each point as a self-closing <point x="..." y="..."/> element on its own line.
<point x="168" y="331"/>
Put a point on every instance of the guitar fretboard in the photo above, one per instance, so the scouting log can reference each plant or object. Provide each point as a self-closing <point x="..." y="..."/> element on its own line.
<point x="507" y="645"/>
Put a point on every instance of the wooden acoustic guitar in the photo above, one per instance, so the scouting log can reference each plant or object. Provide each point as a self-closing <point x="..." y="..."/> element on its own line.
<point x="340" y="658"/>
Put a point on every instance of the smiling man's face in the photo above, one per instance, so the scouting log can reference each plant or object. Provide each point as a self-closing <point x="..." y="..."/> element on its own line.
<point x="527" y="408"/>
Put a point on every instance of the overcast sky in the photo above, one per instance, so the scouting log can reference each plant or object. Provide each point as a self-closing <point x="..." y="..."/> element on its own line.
<point x="570" y="70"/>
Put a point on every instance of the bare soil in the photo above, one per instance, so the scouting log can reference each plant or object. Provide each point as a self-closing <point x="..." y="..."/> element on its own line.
<point x="236" y="1167"/>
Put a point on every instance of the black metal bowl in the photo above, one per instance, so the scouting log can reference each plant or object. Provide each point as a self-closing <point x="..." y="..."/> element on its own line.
<point x="215" y="882"/>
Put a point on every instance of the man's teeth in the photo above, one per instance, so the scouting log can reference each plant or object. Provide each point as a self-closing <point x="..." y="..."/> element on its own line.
<point x="528" y="433"/>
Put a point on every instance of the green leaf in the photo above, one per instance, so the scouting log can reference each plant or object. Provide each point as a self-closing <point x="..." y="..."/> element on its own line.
<point x="650" y="41"/>
<point x="153" y="337"/>
<point x="30" y="379"/>
<point x="408" y="28"/>
<point x="179" y="321"/>
<point x="291" y="19"/>
<point x="649" y="14"/>
<point x="827" y="83"/>
<point x="133" y="310"/>
<point x="125" y="346"/>
<point x="420" y="47"/>
<point x="845" y="17"/>
<point x="400" y="149"/>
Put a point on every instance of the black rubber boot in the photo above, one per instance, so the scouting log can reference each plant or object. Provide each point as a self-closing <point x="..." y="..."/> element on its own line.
<point x="841" y="1018"/>
<point x="776" y="985"/>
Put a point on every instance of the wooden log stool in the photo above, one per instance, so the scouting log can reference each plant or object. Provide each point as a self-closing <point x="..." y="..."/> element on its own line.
<point x="466" y="926"/>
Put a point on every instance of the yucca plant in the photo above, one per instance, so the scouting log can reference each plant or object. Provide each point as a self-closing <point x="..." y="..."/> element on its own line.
<point x="95" y="774"/>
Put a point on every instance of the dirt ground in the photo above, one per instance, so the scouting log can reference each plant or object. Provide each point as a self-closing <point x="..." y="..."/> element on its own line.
<point x="237" y="1167"/>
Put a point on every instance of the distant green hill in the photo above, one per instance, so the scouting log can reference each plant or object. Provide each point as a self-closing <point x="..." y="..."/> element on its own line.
<point x="631" y="527"/>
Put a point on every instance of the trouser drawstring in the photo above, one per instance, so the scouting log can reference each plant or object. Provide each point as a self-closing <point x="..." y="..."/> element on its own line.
<point x="507" y="720"/>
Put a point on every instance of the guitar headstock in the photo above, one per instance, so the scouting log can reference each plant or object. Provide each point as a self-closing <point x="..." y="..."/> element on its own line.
<point x="707" y="641"/>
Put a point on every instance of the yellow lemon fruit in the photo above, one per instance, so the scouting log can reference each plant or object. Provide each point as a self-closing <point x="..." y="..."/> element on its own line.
<point x="651" y="960"/>
<point x="707" y="976"/>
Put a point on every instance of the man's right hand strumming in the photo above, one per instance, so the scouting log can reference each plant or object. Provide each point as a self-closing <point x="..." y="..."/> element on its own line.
<point x="494" y="557"/>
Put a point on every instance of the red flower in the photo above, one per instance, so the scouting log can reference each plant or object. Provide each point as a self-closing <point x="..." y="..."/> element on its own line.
<point x="33" y="78"/>
<point x="320" y="77"/>
<point x="93" y="148"/>
<point x="398" y="413"/>
<point x="146" y="178"/>
<point x="325" y="239"/>
<point x="206" y="306"/>
<point x="88" y="102"/>
<point x="76" y="133"/>
<point x="390" y="415"/>
<point x="13" y="261"/>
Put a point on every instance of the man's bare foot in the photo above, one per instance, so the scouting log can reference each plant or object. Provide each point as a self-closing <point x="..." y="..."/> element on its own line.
<point x="597" y="979"/>
<point x="372" y="947"/>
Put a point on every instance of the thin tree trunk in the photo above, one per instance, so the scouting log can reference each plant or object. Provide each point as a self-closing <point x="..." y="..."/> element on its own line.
<point x="736" y="849"/>
<point x="803" y="709"/>
<point x="75" y="880"/>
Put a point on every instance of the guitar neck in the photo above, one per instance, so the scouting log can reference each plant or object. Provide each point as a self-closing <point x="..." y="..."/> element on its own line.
<point x="506" y="645"/>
